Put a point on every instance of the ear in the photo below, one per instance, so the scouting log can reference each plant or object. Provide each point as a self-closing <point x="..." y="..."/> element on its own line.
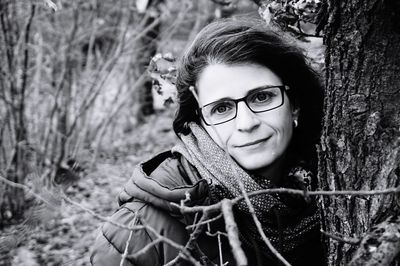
<point x="295" y="112"/>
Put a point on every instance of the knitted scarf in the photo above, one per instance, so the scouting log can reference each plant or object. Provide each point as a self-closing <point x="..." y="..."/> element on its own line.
<point x="286" y="220"/>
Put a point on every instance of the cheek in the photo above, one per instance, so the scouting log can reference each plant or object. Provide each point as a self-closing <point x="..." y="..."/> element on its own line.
<point x="288" y="131"/>
<point x="279" y="122"/>
<point x="285" y="126"/>
<point x="220" y="133"/>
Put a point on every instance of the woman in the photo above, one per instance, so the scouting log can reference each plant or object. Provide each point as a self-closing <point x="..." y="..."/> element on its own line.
<point x="250" y="111"/>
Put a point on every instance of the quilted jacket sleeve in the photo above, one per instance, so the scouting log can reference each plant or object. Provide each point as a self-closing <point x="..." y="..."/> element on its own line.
<point x="111" y="241"/>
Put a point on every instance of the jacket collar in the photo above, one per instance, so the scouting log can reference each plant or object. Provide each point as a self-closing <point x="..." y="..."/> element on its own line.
<point x="164" y="179"/>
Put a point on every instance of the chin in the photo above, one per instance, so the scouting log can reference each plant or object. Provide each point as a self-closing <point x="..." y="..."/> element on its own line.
<point x="252" y="164"/>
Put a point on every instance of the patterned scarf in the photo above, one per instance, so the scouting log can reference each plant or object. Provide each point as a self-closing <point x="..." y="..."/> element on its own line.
<point x="287" y="220"/>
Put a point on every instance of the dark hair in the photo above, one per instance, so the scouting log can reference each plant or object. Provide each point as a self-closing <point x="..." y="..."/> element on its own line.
<point x="238" y="41"/>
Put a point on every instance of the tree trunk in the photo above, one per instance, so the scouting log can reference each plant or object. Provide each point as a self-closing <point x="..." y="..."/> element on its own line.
<point x="150" y="47"/>
<point x="360" y="146"/>
<point x="13" y="97"/>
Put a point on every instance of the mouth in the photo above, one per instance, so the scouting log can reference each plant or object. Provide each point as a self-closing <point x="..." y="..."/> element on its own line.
<point x="248" y="144"/>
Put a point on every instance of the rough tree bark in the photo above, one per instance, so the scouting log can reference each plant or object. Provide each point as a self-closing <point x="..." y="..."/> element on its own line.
<point x="360" y="147"/>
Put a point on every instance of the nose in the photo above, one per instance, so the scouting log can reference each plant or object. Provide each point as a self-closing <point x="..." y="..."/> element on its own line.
<point x="246" y="120"/>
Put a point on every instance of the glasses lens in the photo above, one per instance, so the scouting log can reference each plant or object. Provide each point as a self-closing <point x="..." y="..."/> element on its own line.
<point x="219" y="112"/>
<point x="265" y="99"/>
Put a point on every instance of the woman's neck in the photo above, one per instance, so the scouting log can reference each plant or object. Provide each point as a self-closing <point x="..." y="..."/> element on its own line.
<point x="273" y="172"/>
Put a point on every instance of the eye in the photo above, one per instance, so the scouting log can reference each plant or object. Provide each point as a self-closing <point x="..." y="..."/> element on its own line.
<point x="221" y="108"/>
<point x="262" y="96"/>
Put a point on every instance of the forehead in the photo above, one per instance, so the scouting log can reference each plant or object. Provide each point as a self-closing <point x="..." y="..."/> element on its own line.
<point x="219" y="81"/>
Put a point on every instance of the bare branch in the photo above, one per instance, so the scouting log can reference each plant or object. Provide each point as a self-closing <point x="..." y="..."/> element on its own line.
<point x="192" y="244"/>
<point x="204" y="222"/>
<point x="126" y="248"/>
<point x="324" y="193"/>
<point x="183" y="251"/>
<point x="26" y="188"/>
<point x="94" y="214"/>
<point x="233" y="234"/>
<point x="344" y="239"/>
<point x="145" y="248"/>
<point x="221" y="259"/>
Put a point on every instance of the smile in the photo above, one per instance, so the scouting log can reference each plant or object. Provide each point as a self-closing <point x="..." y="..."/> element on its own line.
<point x="252" y="143"/>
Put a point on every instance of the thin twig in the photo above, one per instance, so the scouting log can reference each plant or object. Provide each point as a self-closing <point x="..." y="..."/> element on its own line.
<point x="102" y="218"/>
<point x="260" y="229"/>
<point x="191" y="243"/>
<point x="221" y="259"/>
<point x="98" y="216"/>
<point x="126" y="249"/>
<point x="344" y="239"/>
<point x="204" y="222"/>
<point x="26" y="188"/>
<point x="183" y="252"/>
<point x="145" y="248"/>
<point x="233" y="234"/>
<point x="323" y="193"/>
<point x="216" y="233"/>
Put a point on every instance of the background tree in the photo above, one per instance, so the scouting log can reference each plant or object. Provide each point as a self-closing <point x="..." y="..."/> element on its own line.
<point x="360" y="147"/>
<point x="149" y="44"/>
<point x="68" y="82"/>
<point x="14" y="82"/>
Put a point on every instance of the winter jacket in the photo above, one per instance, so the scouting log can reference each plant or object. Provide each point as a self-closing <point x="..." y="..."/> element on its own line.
<point x="154" y="185"/>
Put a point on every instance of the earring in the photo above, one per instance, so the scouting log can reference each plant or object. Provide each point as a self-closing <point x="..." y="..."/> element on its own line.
<point x="295" y="122"/>
<point x="186" y="125"/>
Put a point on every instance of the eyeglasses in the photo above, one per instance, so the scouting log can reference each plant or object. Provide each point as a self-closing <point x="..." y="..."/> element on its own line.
<point x="259" y="100"/>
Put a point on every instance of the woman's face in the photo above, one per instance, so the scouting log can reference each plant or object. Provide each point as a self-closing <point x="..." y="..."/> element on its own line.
<point x="255" y="140"/>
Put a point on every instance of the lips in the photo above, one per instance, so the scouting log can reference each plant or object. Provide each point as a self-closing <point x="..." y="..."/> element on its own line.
<point x="251" y="143"/>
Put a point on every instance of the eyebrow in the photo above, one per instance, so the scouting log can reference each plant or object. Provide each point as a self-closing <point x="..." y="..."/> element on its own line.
<point x="247" y="94"/>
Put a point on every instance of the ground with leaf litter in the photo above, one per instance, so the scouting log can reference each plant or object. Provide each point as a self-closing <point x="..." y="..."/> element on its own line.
<point x="67" y="237"/>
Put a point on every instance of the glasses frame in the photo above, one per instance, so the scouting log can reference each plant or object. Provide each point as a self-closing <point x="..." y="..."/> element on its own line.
<point x="282" y="89"/>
